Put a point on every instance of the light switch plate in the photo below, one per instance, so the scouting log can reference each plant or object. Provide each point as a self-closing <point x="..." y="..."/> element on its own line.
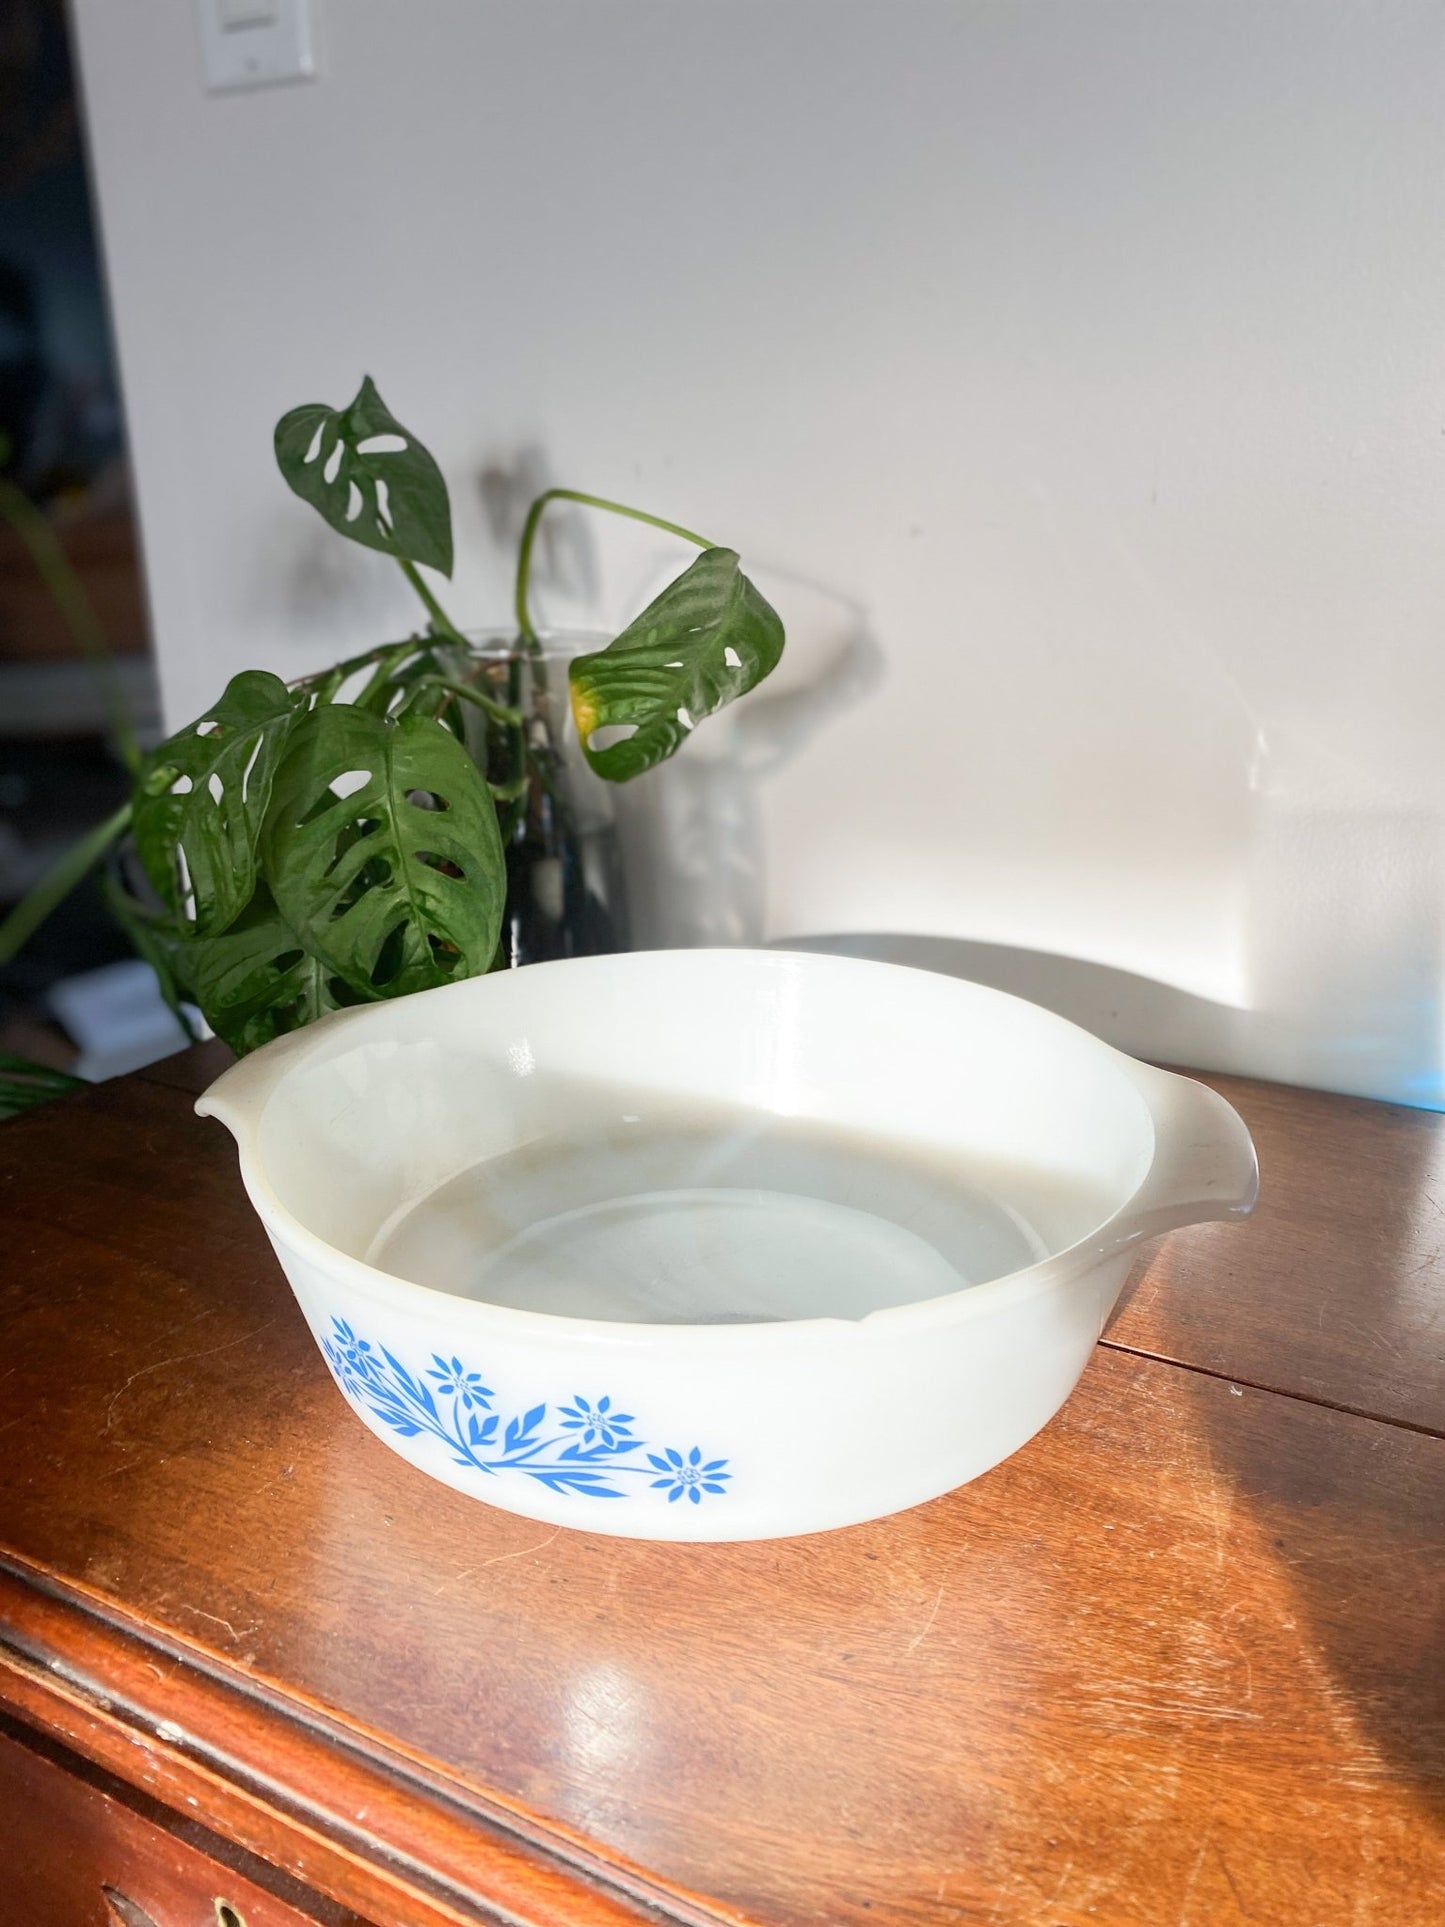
<point x="255" y="43"/>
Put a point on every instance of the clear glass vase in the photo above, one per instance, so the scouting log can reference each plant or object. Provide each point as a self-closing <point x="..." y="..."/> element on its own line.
<point x="565" y="890"/>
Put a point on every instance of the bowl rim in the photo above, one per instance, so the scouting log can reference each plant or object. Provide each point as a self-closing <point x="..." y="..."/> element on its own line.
<point x="1111" y="1236"/>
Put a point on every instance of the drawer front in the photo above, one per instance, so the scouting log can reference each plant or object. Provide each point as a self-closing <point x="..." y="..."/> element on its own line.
<point x="75" y="1855"/>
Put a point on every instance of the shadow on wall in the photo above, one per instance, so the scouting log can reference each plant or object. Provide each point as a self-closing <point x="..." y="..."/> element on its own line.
<point x="1362" y="1018"/>
<point x="1343" y="960"/>
<point x="565" y="560"/>
<point x="1134" y="1013"/>
<point x="692" y="831"/>
<point x="1337" y="894"/>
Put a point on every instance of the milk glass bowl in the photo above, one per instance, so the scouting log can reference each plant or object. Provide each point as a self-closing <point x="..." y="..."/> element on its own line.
<point x="714" y="1245"/>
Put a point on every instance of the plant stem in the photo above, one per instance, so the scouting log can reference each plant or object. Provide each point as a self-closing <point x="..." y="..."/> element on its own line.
<point x="442" y="624"/>
<point x="32" y="910"/>
<point x="499" y="712"/>
<point x="529" y="537"/>
<point x="386" y="661"/>
<point x="441" y="621"/>
<point x="54" y="565"/>
<point x="327" y="681"/>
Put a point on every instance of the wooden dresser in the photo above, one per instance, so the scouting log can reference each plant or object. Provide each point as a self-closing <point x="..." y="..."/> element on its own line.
<point x="1174" y="1664"/>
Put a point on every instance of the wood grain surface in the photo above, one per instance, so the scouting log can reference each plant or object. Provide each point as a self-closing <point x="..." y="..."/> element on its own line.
<point x="322" y="1803"/>
<point x="190" y="1070"/>
<point x="1176" y="1661"/>
<point x="1336" y="1288"/>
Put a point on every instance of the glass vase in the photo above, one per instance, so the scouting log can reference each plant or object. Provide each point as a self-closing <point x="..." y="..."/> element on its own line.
<point x="565" y="890"/>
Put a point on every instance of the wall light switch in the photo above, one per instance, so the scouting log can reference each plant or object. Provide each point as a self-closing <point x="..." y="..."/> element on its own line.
<point x="255" y="43"/>
<point x="238" y="15"/>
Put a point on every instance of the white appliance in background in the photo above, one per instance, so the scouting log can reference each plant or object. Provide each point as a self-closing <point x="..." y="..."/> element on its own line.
<point x="117" y="1018"/>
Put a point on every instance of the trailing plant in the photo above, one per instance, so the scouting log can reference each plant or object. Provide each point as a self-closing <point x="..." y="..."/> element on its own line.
<point x="342" y="838"/>
<point x="24" y="1084"/>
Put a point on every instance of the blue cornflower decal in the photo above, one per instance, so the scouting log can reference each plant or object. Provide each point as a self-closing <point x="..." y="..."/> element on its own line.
<point x="585" y="1450"/>
<point x="598" y="1424"/>
<point x="355" y="1353"/>
<point x="688" y="1475"/>
<point x="455" y="1381"/>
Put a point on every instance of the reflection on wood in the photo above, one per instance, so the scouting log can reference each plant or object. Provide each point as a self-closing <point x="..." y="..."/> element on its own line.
<point x="1172" y="1662"/>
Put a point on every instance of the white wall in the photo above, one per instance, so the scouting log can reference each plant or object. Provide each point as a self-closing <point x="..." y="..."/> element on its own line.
<point x="1069" y="369"/>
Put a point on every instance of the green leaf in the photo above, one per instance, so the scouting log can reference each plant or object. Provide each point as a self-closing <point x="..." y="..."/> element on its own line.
<point x="205" y="792"/>
<point x="255" y="981"/>
<point x="390" y="894"/>
<point x="23" y="1085"/>
<point x="158" y="941"/>
<point x="369" y="477"/>
<point x="708" y="638"/>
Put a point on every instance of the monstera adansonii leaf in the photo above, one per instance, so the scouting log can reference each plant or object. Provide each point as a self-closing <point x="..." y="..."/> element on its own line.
<point x="382" y="851"/>
<point x="255" y="982"/>
<point x="708" y="638"/>
<point x="369" y="477"/>
<point x="201" y="799"/>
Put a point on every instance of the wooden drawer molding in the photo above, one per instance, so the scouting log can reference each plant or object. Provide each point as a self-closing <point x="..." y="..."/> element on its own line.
<point x="337" y="1810"/>
<point x="86" y="1850"/>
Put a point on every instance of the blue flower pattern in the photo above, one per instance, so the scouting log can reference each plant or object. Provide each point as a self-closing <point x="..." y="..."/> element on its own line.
<point x="454" y="1381"/>
<point x="687" y="1476"/>
<point x="596" y="1422"/>
<point x="583" y="1451"/>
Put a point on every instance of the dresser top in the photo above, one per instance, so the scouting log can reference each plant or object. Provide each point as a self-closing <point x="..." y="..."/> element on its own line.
<point x="1172" y="1661"/>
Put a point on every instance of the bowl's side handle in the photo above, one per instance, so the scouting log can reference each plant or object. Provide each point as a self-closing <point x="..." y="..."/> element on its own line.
<point x="1204" y="1163"/>
<point x="239" y="1094"/>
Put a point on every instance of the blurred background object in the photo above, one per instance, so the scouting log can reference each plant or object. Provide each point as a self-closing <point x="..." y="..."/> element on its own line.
<point x="77" y="683"/>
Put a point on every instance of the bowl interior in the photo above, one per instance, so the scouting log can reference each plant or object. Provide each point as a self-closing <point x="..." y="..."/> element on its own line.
<point x="704" y="1137"/>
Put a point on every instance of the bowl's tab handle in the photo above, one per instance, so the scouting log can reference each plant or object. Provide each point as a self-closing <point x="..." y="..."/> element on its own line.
<point x="239" y="1094"/>
<point x="1204" y="1161"/>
